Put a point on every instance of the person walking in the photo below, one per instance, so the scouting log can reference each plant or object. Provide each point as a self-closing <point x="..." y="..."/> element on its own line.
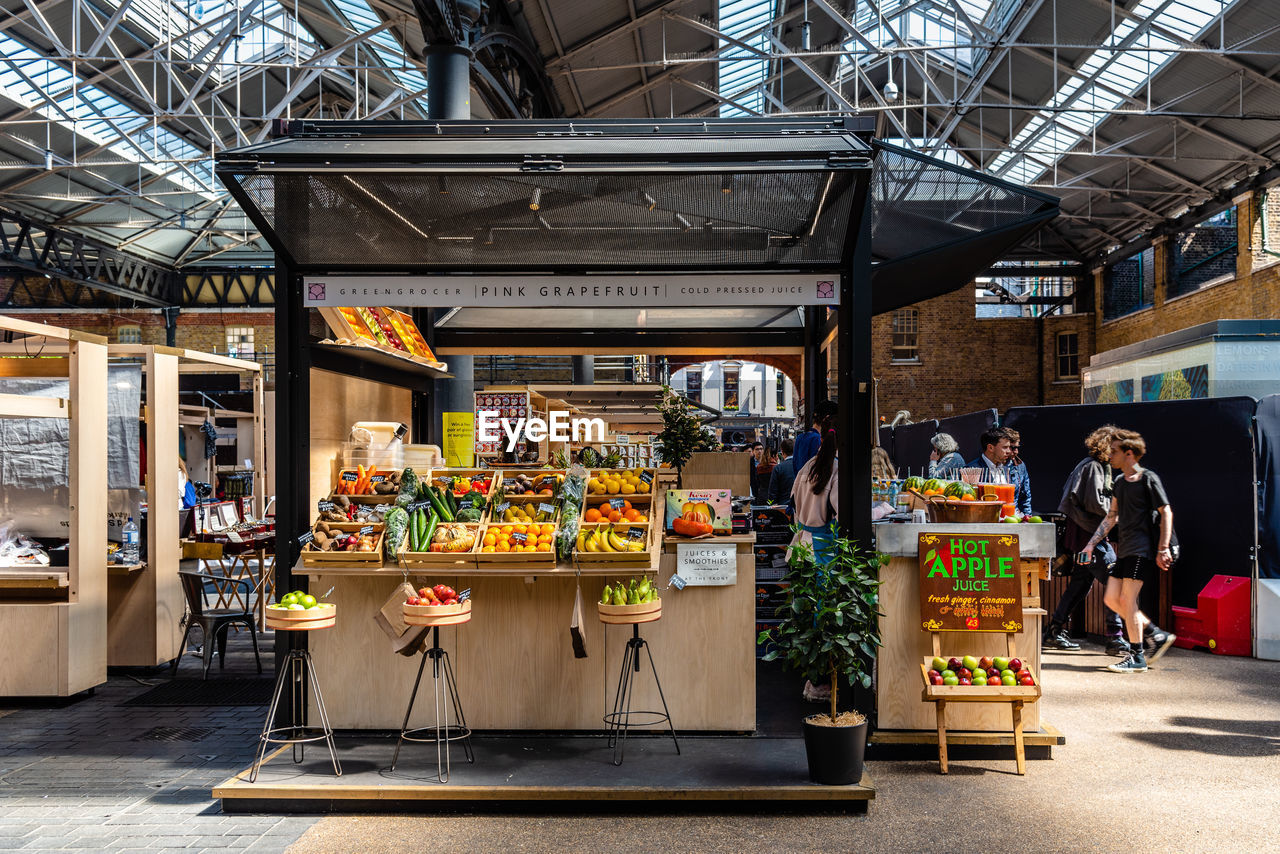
<point x="1086" y="498"/>
<point x="765" y="460"/>
<point x="945" y="461"/>
<point x="1018" y="472"/>
<point x="783" y="474"/>
<point x="815" y="496"/>
<point x="1143" y="520"/>
<point x="808" y="442"/>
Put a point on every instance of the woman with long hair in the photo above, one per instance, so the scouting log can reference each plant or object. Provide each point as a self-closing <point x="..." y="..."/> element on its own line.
<point x="815" y="494"/>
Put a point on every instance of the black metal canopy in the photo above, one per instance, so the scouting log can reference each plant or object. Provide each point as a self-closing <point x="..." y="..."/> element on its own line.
<point x="759" y="195"/>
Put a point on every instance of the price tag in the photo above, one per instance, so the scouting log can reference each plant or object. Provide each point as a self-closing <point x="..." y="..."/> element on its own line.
<point x="234" y="537"/>
<point x="502" y="508"/>
<point x="677" y="582"/>
<point x="646" y="477"/>
<point x="306" y="538"/>
<point x="378" y="478"/>
<point x="367" y="529"/>
<point x="617" y="503"/>
<point x="636" y="533"/>
<point x="464" y="595"/>
<point x="517" y="537"/>
<point x="417" y="505"/>
<point x="324" y="506"/>
<point x="350" y="476"/>
<point x="547" y="508"/>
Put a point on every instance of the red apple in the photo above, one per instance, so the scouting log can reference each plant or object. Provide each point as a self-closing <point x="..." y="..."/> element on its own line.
<point x="412" y="600"/>
<point x="992" y="673"/>
<point x="936" y="678"/>
<point x="1027" y="681"/>
<point x="985" y="662"/>
<point x="933" y="673"/>
<point x="964" y="673"/>
<point x="1024" y="673"/>
<point x="1015" y="664"/>
<point x="964" y="681"/>
<point x="954" y="664"/>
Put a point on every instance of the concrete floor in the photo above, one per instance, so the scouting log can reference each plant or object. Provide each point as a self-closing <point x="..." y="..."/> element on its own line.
<point x="1184" y="758"/>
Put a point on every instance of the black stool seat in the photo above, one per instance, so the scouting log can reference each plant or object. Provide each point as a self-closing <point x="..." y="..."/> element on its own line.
<point x="623" y="717"/>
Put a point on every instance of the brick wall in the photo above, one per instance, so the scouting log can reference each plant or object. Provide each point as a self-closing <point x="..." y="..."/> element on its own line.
<point x="968" y="363"/>
<point x="1254" y="293"/>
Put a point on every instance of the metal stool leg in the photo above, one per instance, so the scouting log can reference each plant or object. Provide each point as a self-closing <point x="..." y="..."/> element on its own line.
<point x="271" y="716"/>
<point x="624" y="678"/>
<point x="324" y="713"/>
<point x="404" y="727"/>
<point x="296" y="670"/>
<point x="458" y="715"/>
<point x="670" y="726"/>
<point x="619" y="719"/>
<point x="445" y="697"/>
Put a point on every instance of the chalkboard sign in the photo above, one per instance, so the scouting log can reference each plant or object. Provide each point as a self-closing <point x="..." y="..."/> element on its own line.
<point x="415" y="506"/>
<point x="617" y="503"/>
<point x="502" y="508"/>
<point x="306" y="538"/>
<point x="646" y="477"/>
<point x="367" y="529"/>
<point x="324" y="506"/>
<point x="970" y="583"/>
<point x="549" y="509"/>
<point x="350" y="476"/>
<point x="636" y="533"/>
<point x="518" y="537"/>
<point x="377" y="478"/>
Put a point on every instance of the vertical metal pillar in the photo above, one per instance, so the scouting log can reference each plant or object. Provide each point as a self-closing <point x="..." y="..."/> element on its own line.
<point x="853" y="342"/>
<point x="584" y="370"/>
<point x="171" y="325"/>
<point x="449" y="97"/>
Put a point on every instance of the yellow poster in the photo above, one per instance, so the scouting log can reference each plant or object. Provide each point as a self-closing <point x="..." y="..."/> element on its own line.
<point x="459" y="439"/>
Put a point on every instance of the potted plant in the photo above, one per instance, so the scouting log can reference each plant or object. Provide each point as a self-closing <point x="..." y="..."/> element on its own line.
<point x="682" y="432"/>
<point x="830" y="629"/>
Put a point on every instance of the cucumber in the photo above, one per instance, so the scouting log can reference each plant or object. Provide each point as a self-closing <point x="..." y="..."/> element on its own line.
<point x="431" y="520"/>
<point x="452" y="501"/>
<point x="440" y="504"/>
<point x="415" y="536"/>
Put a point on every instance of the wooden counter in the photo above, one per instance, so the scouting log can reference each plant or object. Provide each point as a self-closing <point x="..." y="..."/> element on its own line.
<point x="899" y="706"/>
<point x="514" y="662"/>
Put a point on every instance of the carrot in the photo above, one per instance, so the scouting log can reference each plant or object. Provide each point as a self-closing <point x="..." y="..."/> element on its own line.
<point x="358" y="489"/>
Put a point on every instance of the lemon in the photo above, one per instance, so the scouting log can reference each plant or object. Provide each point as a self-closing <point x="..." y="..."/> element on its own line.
<point x="593" y="483"/>
<point x="628" y="489"/>
<point x="614" y="487"/>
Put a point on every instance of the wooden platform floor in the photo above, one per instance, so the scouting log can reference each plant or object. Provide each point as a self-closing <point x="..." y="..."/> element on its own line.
<point x="770" y="773"/>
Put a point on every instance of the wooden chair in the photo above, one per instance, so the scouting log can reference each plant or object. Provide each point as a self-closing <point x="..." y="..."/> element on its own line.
<point x="214" y="623"/>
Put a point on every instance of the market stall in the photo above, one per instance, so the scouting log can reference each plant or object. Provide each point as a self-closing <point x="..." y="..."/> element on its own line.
<point x="765" y="248"/>
<point x="53" y="613"/>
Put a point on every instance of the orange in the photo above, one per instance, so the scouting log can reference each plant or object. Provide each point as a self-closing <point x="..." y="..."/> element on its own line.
<point x="489" y="549"/>
<point x="615" y="516"/>
<point x="503" y="546"/>
<point x="521" y="529"/>
<point x="548" y="528"/>
<point x="544" y="547"/>
<point x="544" y="538"/>
<point x="630" y="514"/>
<point x="490" y="539"/>
<point x="507" y="529"/>
<point x="626" y="505"/>
<point x="592" y="515"/>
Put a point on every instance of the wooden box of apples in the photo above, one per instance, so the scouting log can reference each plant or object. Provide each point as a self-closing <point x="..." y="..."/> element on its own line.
<point x="977" y="679"/>
<point x="437" y="606"/>
<point x="299" y="611"/>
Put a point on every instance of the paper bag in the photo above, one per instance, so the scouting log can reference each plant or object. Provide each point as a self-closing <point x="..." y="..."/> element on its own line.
<point x="576" y="623"/>
<point x="405" y="639"/>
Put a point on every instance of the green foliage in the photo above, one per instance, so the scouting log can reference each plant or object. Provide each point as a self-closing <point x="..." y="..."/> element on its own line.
<point x="682" y="432"/>
<point x="830" y="620"/>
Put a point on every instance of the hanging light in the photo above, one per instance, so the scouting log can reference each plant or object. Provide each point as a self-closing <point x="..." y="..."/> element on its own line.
<point x="890" y="88"/>
<point x="535" y="201"/>
<point x="684" y="224"/>
<point x="648" y="201"/>
<point x="542" y="221"/>
<point x="442" y="185"/>
<point x="804" y="29"/>
<point x="48" y="160"/>
<point x="726" y="184"/>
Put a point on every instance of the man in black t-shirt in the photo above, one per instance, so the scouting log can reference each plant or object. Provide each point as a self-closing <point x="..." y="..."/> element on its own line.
<point x="1143" y="521"/>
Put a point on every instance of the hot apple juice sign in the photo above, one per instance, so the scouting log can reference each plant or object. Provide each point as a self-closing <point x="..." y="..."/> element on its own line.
<point x="970" y="583"/>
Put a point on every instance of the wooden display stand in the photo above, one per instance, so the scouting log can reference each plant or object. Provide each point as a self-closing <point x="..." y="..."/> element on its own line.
<point x="145" y="606"/>
<point x="53" y="621"/>
<point x="1014" y="695"/>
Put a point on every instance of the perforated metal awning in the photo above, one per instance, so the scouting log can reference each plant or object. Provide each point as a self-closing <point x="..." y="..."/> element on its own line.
<point x="625" y="196"/>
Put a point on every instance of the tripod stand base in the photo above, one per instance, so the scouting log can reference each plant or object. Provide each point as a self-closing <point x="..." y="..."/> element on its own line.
<point x="295" y="672"/>
<point x="445" y="693"/>
<point x="623" y="717"/>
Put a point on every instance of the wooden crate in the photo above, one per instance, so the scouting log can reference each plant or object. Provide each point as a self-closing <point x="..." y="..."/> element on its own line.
<point x="314" y="558"/>
<point x="323" y="616"/>
<point x="639" y="493"/>
<point x="437" y="615"/>
<point x="362" y="499"/>
<point x="504" y="560"/>
<point x="510" y="473"/>
<point x="978" y="693"/>
<point x="642" y="559"/>
<point x="496" y="474"/>
<point x="623" y="615"/>
<point x="441" y="560"/>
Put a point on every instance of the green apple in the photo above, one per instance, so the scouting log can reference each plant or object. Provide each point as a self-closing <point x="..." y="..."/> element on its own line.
<point x="940" y="664"/>
<point x="951" y="680"/>
<point x="307" y="601"/>
<point x="979" y="680"/>
<point x="971" y="662"/>
<point x="1034" y="519"/>
<point x="1010" y="519"/>
<point x="1007" y="673"/>
<point x="1007" y="678"/>
<point x="296" y="607"/>
<point x="948" y="673"/>
<point x="1000" y="664"/>
<point x="288" y="600"/>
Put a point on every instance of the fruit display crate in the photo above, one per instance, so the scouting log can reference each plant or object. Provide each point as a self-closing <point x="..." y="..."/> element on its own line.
<point x="625" y="615"/>
<point x="322" y="616"/>
<point x="313" y="557"/>
<point x="437" y="615"/>
<point x="504" y="560"/>
<point x="442" y="559"/>
<point x="642" y="491"/>
<point x="347" y="474"/>
<point x="542" y="479"/>
<point x="631" y="508"/>
<point x="372" y="328"/>
<point x="977" y="693"/>
<point x="616" y="559"/>
<point x="495" y="474"/>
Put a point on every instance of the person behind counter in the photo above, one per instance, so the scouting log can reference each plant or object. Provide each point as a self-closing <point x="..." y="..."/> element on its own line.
<point x="882" y="467"/>
<point x="995" y="453"/>
<point x="783" y="474"/>
<point x="945" y="461"/>
<point x="1018" y="475"/>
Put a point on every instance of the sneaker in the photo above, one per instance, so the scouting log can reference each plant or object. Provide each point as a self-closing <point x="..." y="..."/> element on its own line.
<point x="1157" y="642"/>
<point x="1118" y="646"/>
<point x="1133" y="663"/>
<point x="1058" y="640"/>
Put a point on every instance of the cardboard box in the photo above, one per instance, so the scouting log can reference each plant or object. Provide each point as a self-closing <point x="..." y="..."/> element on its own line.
<point x="715" y="503"/>
<point x="771" y="517"/>
<point x="771" y="562"/>
<point x="770" y="595"/>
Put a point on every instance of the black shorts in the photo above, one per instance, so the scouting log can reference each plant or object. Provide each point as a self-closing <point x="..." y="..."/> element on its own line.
<point x="1135" y="568"/>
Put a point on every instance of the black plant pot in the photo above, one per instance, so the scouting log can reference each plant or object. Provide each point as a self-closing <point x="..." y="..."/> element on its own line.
<point x="835" y="753"/>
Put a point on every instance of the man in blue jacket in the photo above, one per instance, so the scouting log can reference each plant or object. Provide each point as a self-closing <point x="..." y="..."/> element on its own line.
<point x="1018" y="472"/>
<point x="807" y="443"/>
<point x="1000" y="464"/>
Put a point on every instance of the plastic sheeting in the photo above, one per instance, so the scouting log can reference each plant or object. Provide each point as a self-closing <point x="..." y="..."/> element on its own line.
<point x="1268" y="417"/>
<point x="1203" y="451"/>
<point x="35" y="452"/>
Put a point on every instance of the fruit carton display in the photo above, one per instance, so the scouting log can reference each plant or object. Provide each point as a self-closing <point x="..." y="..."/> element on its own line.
<point x="637" y="601"/>
<point x="367" y="550"/>
<point x="950" y="683"/>
<point x="637" y="484"/>
<point x="525" y="545"/>
<point x="605" y="545"/>
<point x="440" y="554"/>
<point x="698" y="512"/>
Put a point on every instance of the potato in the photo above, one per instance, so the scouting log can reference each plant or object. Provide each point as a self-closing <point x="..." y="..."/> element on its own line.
<point x="321" y="539"/>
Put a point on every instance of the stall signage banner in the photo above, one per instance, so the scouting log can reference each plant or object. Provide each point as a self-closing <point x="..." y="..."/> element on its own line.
<point x="535" y="291"/>
<point x="459" y="448"/>
<point x="707" y="565"/>
<point x="970" y="583"/>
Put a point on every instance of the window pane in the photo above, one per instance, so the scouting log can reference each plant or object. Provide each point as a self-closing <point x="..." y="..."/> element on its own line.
<point x="905" y="329"/>
<point x="1203" y="252"/>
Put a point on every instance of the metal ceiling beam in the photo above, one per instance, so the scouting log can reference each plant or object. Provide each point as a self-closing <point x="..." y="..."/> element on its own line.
<point x="601" y="38"/>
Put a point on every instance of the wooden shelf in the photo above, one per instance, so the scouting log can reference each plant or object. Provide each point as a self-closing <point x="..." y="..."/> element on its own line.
<point x="125" y="569"/>
<point x="497" y="570"/>
<point x="712" y="540"/>
<point x="33" y="577"/>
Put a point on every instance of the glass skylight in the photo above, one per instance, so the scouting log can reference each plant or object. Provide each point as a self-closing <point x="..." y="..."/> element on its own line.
<point x="741" y="79"/>
<point x="389" y="52"/>
<point x="1104" y="82"/>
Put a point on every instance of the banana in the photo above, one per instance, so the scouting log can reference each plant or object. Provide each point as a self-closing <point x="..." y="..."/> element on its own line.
<point x="616" y="543"/>
<point x="582" y="536"/>
<point x="591" y="543"/>
<point x="606" y="545"/>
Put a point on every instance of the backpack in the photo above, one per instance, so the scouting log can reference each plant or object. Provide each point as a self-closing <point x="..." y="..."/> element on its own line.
<point x="1175" y="549"/>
